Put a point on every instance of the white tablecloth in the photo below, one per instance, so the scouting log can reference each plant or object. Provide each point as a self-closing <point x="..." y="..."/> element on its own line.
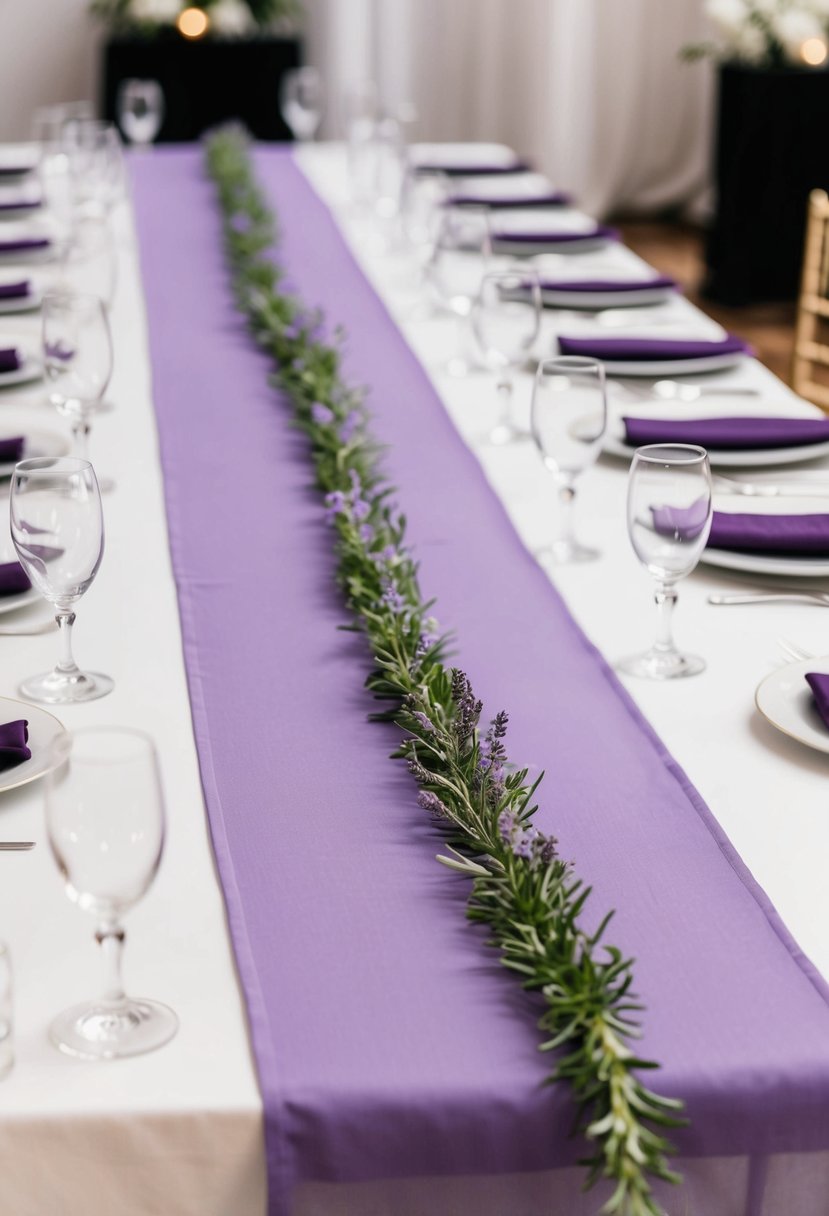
<point x="179" y="1132"/>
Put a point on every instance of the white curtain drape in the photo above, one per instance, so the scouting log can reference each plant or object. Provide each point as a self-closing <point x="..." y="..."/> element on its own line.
<point x="591" y="90"/>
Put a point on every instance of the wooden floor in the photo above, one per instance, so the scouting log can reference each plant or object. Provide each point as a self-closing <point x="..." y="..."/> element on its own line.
<point x="677" y="250"/>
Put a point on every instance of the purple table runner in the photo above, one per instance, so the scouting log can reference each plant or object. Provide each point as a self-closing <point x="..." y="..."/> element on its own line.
<point x="388" y="1041"/>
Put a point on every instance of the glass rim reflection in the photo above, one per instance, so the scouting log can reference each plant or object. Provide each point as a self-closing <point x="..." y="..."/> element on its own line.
<point x="682" y="455"/>
<point x="54" y="464"/>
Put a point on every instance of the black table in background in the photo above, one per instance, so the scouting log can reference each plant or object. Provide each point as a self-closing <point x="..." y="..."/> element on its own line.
<point x="772" y="150"/>
<point x="205" y="82"/>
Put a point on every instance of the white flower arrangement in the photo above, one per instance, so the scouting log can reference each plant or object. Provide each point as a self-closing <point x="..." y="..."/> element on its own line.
<point x="767" y="33"/>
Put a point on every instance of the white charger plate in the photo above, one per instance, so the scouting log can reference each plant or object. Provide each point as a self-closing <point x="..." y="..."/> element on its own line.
<point x="460" y="156"/>
<point x="762" y="563"/>
<point x="614" y="444"/>
<point x="44" y="730"/>
<point x="785" y="700"/>
<point x="671" y="367"/>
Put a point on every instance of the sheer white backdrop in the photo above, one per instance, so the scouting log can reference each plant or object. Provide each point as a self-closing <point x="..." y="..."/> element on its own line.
<point x="592" y="90"/>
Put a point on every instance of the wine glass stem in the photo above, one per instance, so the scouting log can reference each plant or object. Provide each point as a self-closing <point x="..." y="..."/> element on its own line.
<point x="80" y="433"/>
<point x="665" y="597"/>
<point x="110" y="937"/>
<point x="66" y="663"/>
<point x="566" y="498"/>
<point x="504" y="389"/>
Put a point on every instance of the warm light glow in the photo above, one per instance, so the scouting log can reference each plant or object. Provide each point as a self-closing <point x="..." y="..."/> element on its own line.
<point x="814" y="52"/>
<point x="193" y="23"/>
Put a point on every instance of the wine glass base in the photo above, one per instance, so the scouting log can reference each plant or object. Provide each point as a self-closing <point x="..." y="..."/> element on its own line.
<point x="566" y="553"/>
<point x="506" y="433"/>
<point x="111" y="1032"/>
<point x="55" y="688"/>
<point x="662" y="665"/>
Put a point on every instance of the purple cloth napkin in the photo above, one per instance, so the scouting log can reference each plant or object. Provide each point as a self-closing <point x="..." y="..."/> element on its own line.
<point x="681" y="523"/>
<point x="621" y="350"/>
<point x="26" y="244"/>
<point x="619" y="285"/>
<point x="13" y="579"/>
<point x="517" y="166"/>
<point x="601" y="231"/>
<point x="9" y="359"/>
<point x="727" y="433"/>
<point x="557" y="198"/>
<point x="818" y="681"/>
<point x="13" y="739"/>
<point x="785" y="535"/>
<point x="15" y="291"/>
<point x="23" y="204"/>
<point x="12" y="449"/>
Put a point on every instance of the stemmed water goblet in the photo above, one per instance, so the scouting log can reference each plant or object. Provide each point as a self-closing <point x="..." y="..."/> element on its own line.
<point x="88" y="263"/>
<point x="57" y="528"/>
<point x="96" y="163"/>
<point x="569" y="419"/>
<point x="459" y="261"/>
<point x="77" y="355"/>
<point x="669" y="517"/>
<point x="105" y="821"/>
<point x="506" y="317"/>
<point x="301" y="101"/>
<point x="140" y="110"/>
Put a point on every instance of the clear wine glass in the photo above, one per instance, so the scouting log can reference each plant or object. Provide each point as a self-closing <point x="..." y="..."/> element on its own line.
<point x="140" y="110"/>
<point x="569" y="419"/>
<point x="96" y="163"/>
<point x="361" y="116"/>
<point x="506" y="318"/>
<point x="669" y="518"/>
<point x="459" y="262"/>
<point x="57" y="528"/>
<point x="301" y="101"/>
<point x="88" y="263"/>
<point x="77" y="355"/>
<point x="105" y="821"/>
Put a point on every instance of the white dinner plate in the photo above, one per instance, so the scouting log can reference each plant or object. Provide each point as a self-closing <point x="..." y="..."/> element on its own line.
<point x="38" y="443"/>
<point x="459" y="157"/>
<point x="23" y="257"/>
<point x="785" y="700"/>
<point x="672" y="367"/>
<point x="44" y="730"/>
<point x="30" y="369"/>
<point x="16" y="160"/>
<point x="526" y="249"/>
<point x="614" y="444"/>
<point x="763" y="563"/>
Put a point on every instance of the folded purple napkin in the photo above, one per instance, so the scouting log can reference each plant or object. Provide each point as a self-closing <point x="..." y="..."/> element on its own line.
<point x="11" y="450"/>
<point x="13" y="739"/>
<point x="603" y="285"/>
<point x="9" y="359"/>
<point x="783" y="535"/>
<point x="11" y="170"/>
<point x="819" y="684"/>
<point x="681" y="523"/>
<point x="25" y="244"/>
<point x="556" y="198"/>
<point x="600" y="232"/>
<point x="13" y="579"/>
<point x="459" y="170"/>
<point x="15" y="291"/>
<point x="728" y="433"/>
<point x="23" y="204"/>
<point x="620" y="350"/>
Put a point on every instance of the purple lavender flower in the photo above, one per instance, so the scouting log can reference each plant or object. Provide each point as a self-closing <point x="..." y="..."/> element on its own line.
<point x="522" y="846"/>
<point x="430" y="802"/>
<point x="335" y="504"/>
<point x="356" y="484"/>
<point x="386" y="555"/>
<point x="360" y="508"/>
<point x="293" y="329"/>
<point x="366" y="533"/>
<point x="506" y="825"/>
<point x="240" y="223"/>
<point x="349" y="426"/>
<point x="393" y="599"/>
<point x="321" y="414"/>
<point x="547" y="851"/>
<point x="422" y="720"/>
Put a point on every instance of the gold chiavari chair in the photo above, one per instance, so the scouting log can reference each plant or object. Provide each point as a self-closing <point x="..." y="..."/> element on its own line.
<point x="810" y="365"/>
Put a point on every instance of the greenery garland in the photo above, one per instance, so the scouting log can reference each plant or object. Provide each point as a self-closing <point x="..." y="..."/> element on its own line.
<point x="528" y="897"/>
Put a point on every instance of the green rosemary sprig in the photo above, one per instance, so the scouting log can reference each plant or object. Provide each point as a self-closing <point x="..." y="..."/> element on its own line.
<point x="530" y="899"/>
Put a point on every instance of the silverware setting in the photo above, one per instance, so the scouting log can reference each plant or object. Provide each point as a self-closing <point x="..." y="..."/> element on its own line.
<point x="796" y="653"/>
<point x="674" y="390"/>
<point x="762" y="489"/>
<point x="16" y="846"/>
<point x="771" y="597"/>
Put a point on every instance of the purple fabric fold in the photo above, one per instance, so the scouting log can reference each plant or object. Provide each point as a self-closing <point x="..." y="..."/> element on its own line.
<point x="621" y="350"/>
<point x="13" y="579"/>
<point x="15" y="291"/>
<point x="482" y="170"/>
<point x="784" y="535"/>
<point x="24" y="204"/>
<point x="23" y="245"/>
<point x="13" y="739"/>
<point x="818" y="681"/>
<point x="326" y="864"/>
<point x="12" y="449"/>
<point x="9" y="359"/>
<point x="726" y="434"/>
<point x="607" y="285"/>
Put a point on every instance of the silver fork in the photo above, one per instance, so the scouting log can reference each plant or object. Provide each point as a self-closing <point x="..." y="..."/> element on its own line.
<point x="673" y="390"/>
<point x="770" y="597"/>
<point x="759" y="489"/>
